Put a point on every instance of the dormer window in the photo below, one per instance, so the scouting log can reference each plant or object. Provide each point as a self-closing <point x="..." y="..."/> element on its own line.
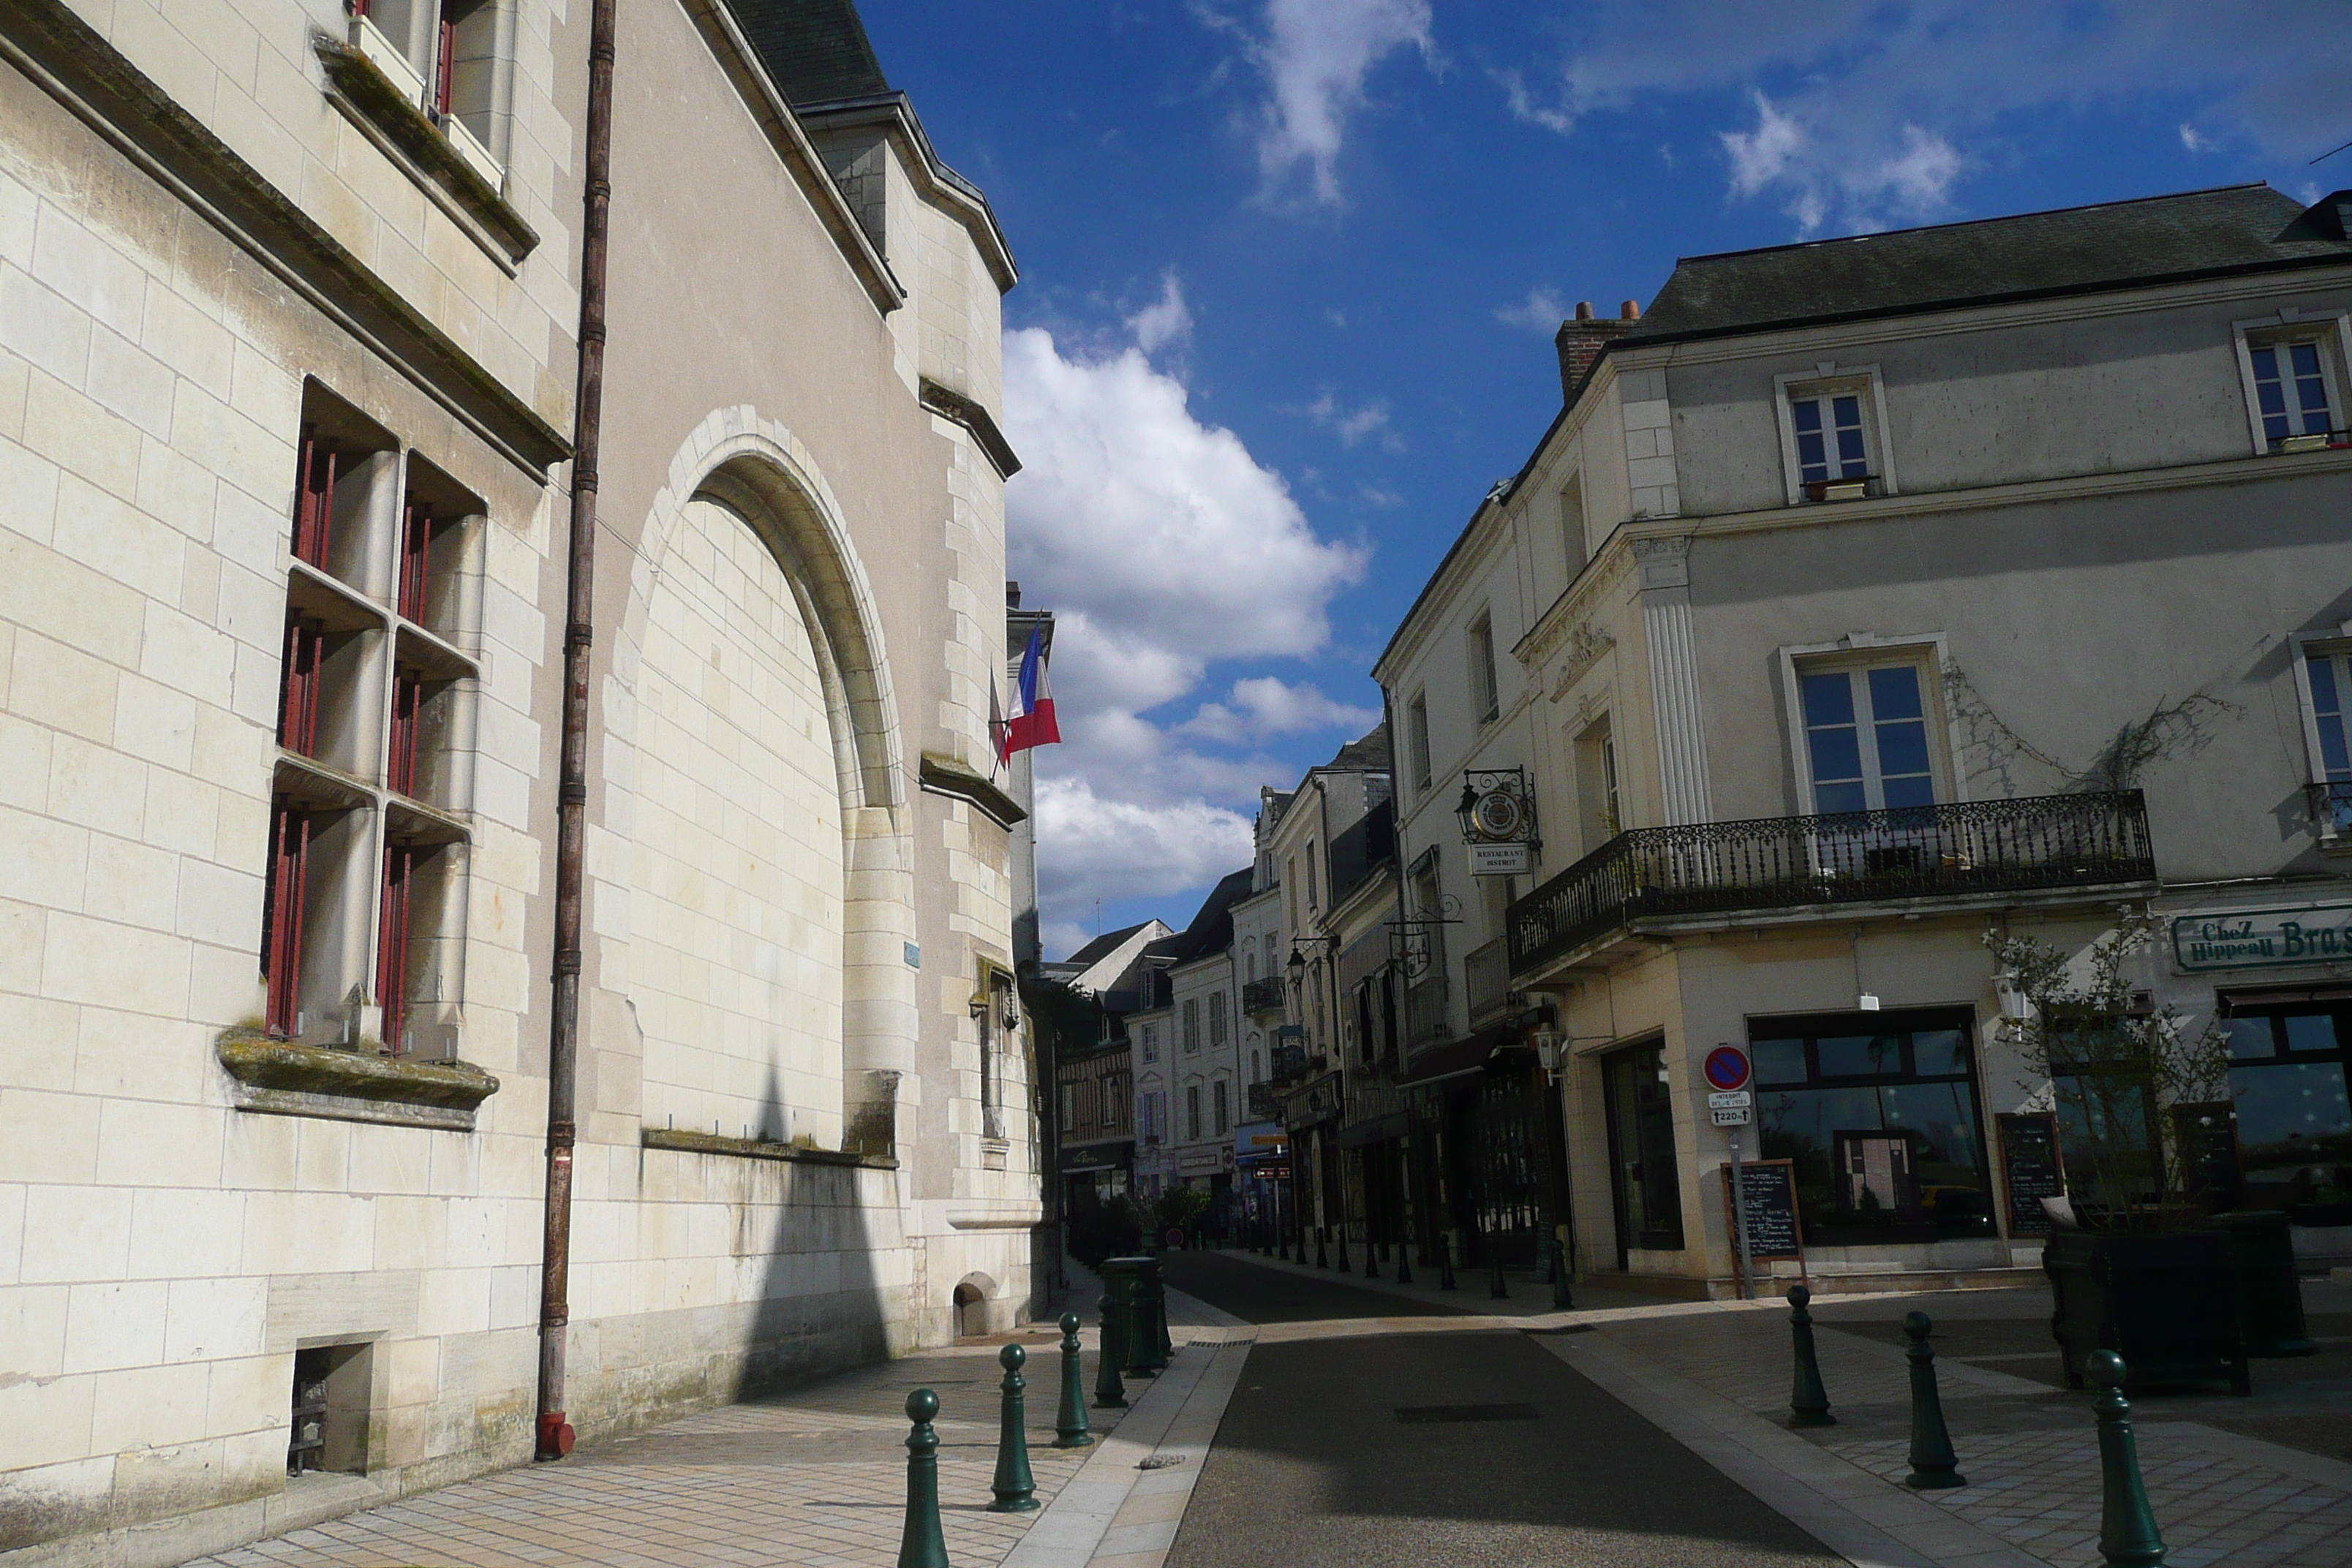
<point x="1834" y="436"/>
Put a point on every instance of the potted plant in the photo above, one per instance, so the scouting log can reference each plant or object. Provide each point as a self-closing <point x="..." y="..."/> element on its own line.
<point x="2134" y="1265"/>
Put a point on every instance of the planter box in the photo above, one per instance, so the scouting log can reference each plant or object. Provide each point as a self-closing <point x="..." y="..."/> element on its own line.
<point x="2166" y="1304"/>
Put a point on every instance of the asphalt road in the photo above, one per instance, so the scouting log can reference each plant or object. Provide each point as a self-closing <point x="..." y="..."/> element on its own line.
<point x="1315" y="1464"/>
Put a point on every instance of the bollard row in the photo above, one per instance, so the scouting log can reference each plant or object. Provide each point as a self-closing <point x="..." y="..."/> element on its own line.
<point x="2128" y="1537"/>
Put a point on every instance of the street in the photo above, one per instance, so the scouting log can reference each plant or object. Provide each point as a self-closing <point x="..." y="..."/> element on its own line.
<point x="1371" y="1449"/>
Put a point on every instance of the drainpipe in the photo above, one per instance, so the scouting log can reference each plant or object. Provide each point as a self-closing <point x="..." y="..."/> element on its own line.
<point x="1417" y="1149"/>
<point x="555" y="1433"/>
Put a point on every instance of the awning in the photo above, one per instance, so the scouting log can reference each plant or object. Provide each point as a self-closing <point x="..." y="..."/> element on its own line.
<point x="1379" y="1129"/>
<point x="1462" y="1056"/>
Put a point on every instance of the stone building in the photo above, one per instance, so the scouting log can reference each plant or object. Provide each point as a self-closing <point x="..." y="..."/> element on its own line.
<point x="1865" y="598"/>
<point x="290" y="306"/>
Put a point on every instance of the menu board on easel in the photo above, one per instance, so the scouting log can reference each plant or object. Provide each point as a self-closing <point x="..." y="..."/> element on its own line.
<point x="2032" y="1169"/>
<point x="1770" y="1187"/>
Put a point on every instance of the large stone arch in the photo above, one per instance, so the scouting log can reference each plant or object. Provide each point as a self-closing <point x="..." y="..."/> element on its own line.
<point x="757" y="471"/>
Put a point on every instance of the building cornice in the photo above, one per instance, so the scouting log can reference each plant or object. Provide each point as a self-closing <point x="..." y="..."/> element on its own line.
<point x="782" y="127"/>
<point x="949" y="404"/>
<point x="96" y="83"/>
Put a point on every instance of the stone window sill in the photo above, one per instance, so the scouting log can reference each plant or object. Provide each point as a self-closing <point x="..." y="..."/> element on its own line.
<point x="683" y="1142"/>
<point x="374" y="102"/>
<point x="279" y="1077"/>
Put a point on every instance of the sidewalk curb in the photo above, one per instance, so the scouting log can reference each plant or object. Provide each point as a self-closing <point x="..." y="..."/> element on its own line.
<point x="1848" y="1510"/>
<point x="1111" y="1513"/>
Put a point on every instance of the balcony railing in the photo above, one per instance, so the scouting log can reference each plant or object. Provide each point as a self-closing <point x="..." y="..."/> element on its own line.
<point x="1426" y="1019"/>
<point x="1486" y="973"/>
<point x="2055" y="841"/>
<point x="1262" y="995"/>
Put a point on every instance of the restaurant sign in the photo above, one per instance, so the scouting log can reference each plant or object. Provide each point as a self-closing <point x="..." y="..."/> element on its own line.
<point x="2263" y="939"/>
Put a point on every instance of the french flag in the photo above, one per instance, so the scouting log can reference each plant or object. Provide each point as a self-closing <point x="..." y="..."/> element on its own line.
<point x="1032" y="724"/>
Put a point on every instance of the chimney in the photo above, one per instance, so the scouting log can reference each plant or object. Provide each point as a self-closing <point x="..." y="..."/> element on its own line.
<point x="1580" y="341"/>
<point x="1011" y="595"/>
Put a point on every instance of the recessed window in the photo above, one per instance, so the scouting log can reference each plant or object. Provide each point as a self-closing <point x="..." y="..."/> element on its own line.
<point x="2327" y="685"/>
<point x="1192" y="1026"/>
<point x="1571" y="524"/>
<point x="1485" y="699"/>
<point x="364" y="908"/>
<point x="2291" y="389"/>
<point x="1866" y="738"/>
<point x="1833" y="437"/>
<point x="1416" y="724"/>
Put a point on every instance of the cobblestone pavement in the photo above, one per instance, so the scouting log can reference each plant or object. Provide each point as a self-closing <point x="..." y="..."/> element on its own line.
<point x="812" y="1478"/>
<point x="2222" y="1494"/>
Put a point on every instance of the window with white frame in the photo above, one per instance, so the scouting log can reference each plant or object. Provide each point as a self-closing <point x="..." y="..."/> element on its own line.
<point x="1312" y="901"/>
<point x="1833" y="437"/>
<point x="1867" y="738"/>
<point x="2326" y="683"/>
<point x="1485" y="702"/>
<point x="452" y="60"/>
<point x="2296" y="394"/>
<point x="1150" y="1042"/>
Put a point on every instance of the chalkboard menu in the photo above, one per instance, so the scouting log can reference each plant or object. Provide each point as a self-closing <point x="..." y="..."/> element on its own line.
<point x="1770" y="1187"/>
<point x="2032" y="1169"/>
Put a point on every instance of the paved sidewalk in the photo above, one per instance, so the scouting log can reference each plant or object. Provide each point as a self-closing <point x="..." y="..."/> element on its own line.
<point x="2028" y="1448"/>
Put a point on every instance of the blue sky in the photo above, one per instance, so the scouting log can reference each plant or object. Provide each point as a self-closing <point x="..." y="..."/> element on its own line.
<point x="1291" y="268"/>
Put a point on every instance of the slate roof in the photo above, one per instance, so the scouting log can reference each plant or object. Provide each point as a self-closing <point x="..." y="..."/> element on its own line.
<point x="1368" y="752"/>
<point x="2113" y="245"/>
<point x="1102" y="946"/>
<point x="816" y="50"/>
<point x="1211" y="930"/>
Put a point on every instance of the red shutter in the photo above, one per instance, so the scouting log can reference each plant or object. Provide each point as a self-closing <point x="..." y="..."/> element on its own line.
<point x="445" y="66"/>
<point x="416" y="551"/>
<point x="281" y="915"/>
<point x="407" y="702"/>
<point x="314" y="502"/>
<point x="392" y="945"/>
<point x="298" y="685"/>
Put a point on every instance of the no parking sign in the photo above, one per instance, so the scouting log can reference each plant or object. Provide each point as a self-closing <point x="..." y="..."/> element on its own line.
<point x="1726" y="1067"/>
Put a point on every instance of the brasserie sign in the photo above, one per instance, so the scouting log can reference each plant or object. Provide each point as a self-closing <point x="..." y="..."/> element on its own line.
<point x="2263" y="939"/>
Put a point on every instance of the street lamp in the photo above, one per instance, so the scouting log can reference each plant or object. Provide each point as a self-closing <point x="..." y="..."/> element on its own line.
<point x="1296" y="970"/>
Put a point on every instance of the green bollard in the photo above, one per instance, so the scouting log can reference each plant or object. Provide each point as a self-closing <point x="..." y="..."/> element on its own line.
<point x="1371" y="1264"/>
<point x="921" y="1545"/>
<point x="1016" y="1487"/>
<point x="1562" y="1299"/>
<point x="1109" y="1393"/>
<point x="1070" y="1421"/>
<point x="1445" y="1262"/>
<point x="1344" y="1266"/>
<point x="2127" y="1533"/>
<point x="1809" y="1402"/>
<point x="1404" y="1262"/>
<point x="1934" y="1465"/>
<point x="1322" y="1258"/>
<point x="1146" y="1355"/>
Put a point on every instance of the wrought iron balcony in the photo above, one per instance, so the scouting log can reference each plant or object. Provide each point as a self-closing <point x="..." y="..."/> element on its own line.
<point x="1486" y="973"/>
<point x="1262" y="995"/>
<point x="1427" y="1021"/>
<point x="1785" y="863"/>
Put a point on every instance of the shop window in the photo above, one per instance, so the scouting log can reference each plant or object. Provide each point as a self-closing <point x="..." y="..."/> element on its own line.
<point x="1878" y="1113"/>
<point x="363" y="909"/>
<point x="2287" y="1078"/>
<point x="1645" y="1177"/>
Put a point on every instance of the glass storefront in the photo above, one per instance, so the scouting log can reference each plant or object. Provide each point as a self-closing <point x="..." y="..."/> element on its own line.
<point x="2294" y="1119"/>
<point x="1878" y="1113"/>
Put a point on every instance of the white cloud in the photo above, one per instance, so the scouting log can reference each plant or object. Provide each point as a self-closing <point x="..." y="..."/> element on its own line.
<point x="1093" y="848"/>
<point x="1314" y="55"/>
<point x="1167" y="319"/>
<point x="1264" y="706"/>
<point x="1352" y="424"/>
<point x="1541" y="312"/>
<point x="1164" y="547"/>
<point x="1525" y="108"/>
<point x="1878" y="108"/>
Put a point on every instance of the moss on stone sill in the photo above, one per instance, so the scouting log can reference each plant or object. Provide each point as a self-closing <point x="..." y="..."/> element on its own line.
<point x="260" y="1062"/>
<point x="683" y="1142"/>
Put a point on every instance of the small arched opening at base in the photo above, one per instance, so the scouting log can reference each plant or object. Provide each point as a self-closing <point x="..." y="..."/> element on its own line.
<point x="971" y="1305"/>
